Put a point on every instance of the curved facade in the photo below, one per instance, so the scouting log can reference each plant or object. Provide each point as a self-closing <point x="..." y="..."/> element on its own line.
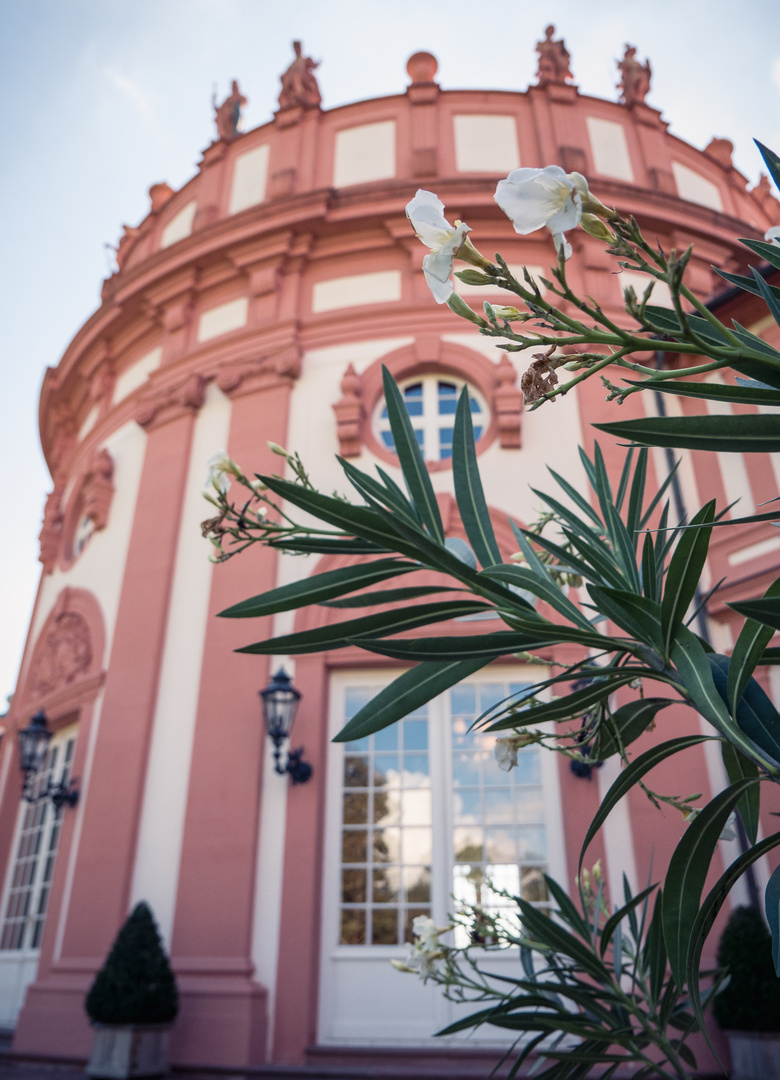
<point x="257" y="304"/>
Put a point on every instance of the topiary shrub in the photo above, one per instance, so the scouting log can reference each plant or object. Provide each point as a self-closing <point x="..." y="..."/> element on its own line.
<point x="136" y="984"/>
<point x="751" y="1000"/>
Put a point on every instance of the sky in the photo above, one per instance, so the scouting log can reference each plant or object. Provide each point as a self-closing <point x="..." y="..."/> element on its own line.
<point x="105" y="97"/>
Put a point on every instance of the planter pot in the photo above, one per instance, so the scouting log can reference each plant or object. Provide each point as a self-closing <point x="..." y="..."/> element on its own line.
<point x="755" y="1055"/>
<point x="125" y="1050"/>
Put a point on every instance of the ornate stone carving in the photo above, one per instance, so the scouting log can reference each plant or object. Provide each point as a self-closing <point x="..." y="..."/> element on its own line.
<point x="65" y="654"/>
<point x="228" y="115"/>
<point x="554" y="60"/>
<point x="634" y="85"/>
<point x="508" y="405"/>
<point x="97" y="489"/>
<point x="171" y="403"/>
<point x="50" y="536"/>
<point x="348" y="413"/>
<point x="299" y="83"/>
<point x="126" y="241"/>
<point x="764" y="195"/>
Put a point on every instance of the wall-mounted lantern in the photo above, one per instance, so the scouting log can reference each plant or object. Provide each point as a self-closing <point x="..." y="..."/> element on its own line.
<point x="280" y="704"/>
<point x="33" y="746"/>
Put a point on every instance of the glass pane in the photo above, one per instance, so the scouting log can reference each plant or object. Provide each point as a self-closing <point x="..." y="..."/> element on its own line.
<point x="353" y="927"/>
<point x="415" y="769"/>
<point x="463" y="701"/>
<point x="355" y="809"/>
<point x="528" y="769"/>
<point x="417" y="884"/>
<point x="468" y="844"/>
<point x="386" y="845"/>
<point x="467" y="807"/>
<point x="465" y="769"/>
<point x="353" y="886"/>
<point x="498" y="806"/>
<point x="415" y="733"/>
<point x="386" y="772"/>
<point x="416" y="807"/>
<point x="386" y="739"/>
<point x="384" y="926"/>
<point x="356" y="771"/>
<point x="417" y="845"/>
<point x="354" y="846"/>
<point x="529" y="805"/>
<point x="532" y="844"/>
<point x="500" y="845"/>
<point x="532" y="884"/>
<point x="387" y="807"/>
<point x="386" y="885"/>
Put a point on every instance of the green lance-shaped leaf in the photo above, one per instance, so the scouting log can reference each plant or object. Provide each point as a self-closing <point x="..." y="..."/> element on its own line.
<point x="628" y="722"/>
<point x="411" y="460"/>
<point x="567" y="560"/>
<point x="756" y="716"/>
<point x="376" y="492"/>
<point x="738" y="767"/>
<point x="546" y="931"/>
<point x="613" y="922"/>
<point x="574" y="704"/>
<point x="624" y="547"/>
<point x="739" y="395"/>
<point x="771" y="302"/>
<point x="730" y="434"/>
<point x="771" y="160"/>
<point x="576" y="497"/>
<point x="408" y="692"/>
<point x="387" y="596"/>
<point x="325" y="545"/>
<point x="339" y="635"/>
<point x="635" y="614"/>
<point x="708" y="912"/>
<point x="625" y="476"/>
<point x="650" y="583"/>
<point x="654" y="951"/>
<point x="688" y="869"/>
<point x="772" y="907"/>
<point x="664" y="319"/>
<point x="468" y="486"/>
<point x="318" y="588"/>
<point x="637" y="497"/>
<point x="543" y="587"/>
<point x="753" y="639"/>
<point x="631" y="775"/>
<point x="769" y="252"/>
<point x="766" y="610"/>
<point x="746" y="283"/>
<point x="684" y="573"/>
<point x="453" y="647"/>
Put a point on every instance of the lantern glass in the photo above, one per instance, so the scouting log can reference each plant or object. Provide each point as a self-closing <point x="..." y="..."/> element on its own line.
<point x="33" y="743"/>
<point x="280" y="704"/>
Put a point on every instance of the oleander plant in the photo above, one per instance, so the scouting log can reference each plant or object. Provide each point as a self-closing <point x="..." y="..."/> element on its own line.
<point x="599" y="986"/>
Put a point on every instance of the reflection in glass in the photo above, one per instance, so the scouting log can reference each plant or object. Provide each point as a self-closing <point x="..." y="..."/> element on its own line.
<point x="353" y="927"/>
<point x="468" y="843"/>
<point x="387" y="807"/>
<point x="354" y="846"/>
<point x="533" y="887"/>
<point x="500" y="845"/>
<point x="355" y="809"/>
<point x="355" y="771"/>
<point x="386" y="845"/>
<point x="417" y="845"/>
<point x="498" y="806"/>
<point x="417" y="884"/>
<point x="384" y="926"/>
<point x="415" y="734"/>
<point x="353" y="886"/>
<point x="385" y="885"/>
<point x="465" y="769"/>
<point x="467" y="809"/>
<point x="415" y="768"/>
<point x="386" y="772"/>
<point x="416" y="807"/>
<point x="532" y="843"/>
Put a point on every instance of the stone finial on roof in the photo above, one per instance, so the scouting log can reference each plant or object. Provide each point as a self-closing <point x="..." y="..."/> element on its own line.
<point x="554" y="59"/>
<point x="299" y="83"/>
<point x="228" y="115"/>
<point x="422" y="68"/>
<point x="634" y="85"/>
<point x="722" y="150"/>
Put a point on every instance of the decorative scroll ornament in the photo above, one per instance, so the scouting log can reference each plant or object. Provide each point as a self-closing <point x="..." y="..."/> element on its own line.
<point x="50" y="536"/>
<point x="66" y="654"/>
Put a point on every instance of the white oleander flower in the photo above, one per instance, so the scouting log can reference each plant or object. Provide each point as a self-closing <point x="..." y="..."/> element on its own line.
<point x="447" y="242"/>
<point x="221" y="466"/>
<point x="772" y="236"/>
<point x="425" y="953"/>
<point x="506" y="754"/>
<point x="533" y="198"/>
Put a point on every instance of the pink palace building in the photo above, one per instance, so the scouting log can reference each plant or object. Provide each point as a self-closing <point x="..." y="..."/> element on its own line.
<point x="258" y="303"/>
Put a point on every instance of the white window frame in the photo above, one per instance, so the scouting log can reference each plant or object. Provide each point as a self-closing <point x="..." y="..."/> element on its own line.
<point x="431" y="422"/>
<point x="370" y="963"/>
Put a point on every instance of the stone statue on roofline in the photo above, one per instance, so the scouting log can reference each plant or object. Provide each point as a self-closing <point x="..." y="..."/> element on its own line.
<point x="634" y="85"/>
<point x="554" y="60"/>
<point x="228" y="114"/>
<point x="299" y="83"/>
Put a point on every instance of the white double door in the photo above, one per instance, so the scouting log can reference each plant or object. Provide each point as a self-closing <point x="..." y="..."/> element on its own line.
<point x="419" y="817"/>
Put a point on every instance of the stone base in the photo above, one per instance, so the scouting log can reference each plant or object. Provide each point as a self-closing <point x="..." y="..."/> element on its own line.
<point x="755" y="1055"/>
<point x="127" y="1050"/>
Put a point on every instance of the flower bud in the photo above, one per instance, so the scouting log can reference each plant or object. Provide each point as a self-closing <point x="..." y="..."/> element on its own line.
<point x="472" y="277"/>
<point x="459" y="307"/>
<point x="594" y="226"/>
